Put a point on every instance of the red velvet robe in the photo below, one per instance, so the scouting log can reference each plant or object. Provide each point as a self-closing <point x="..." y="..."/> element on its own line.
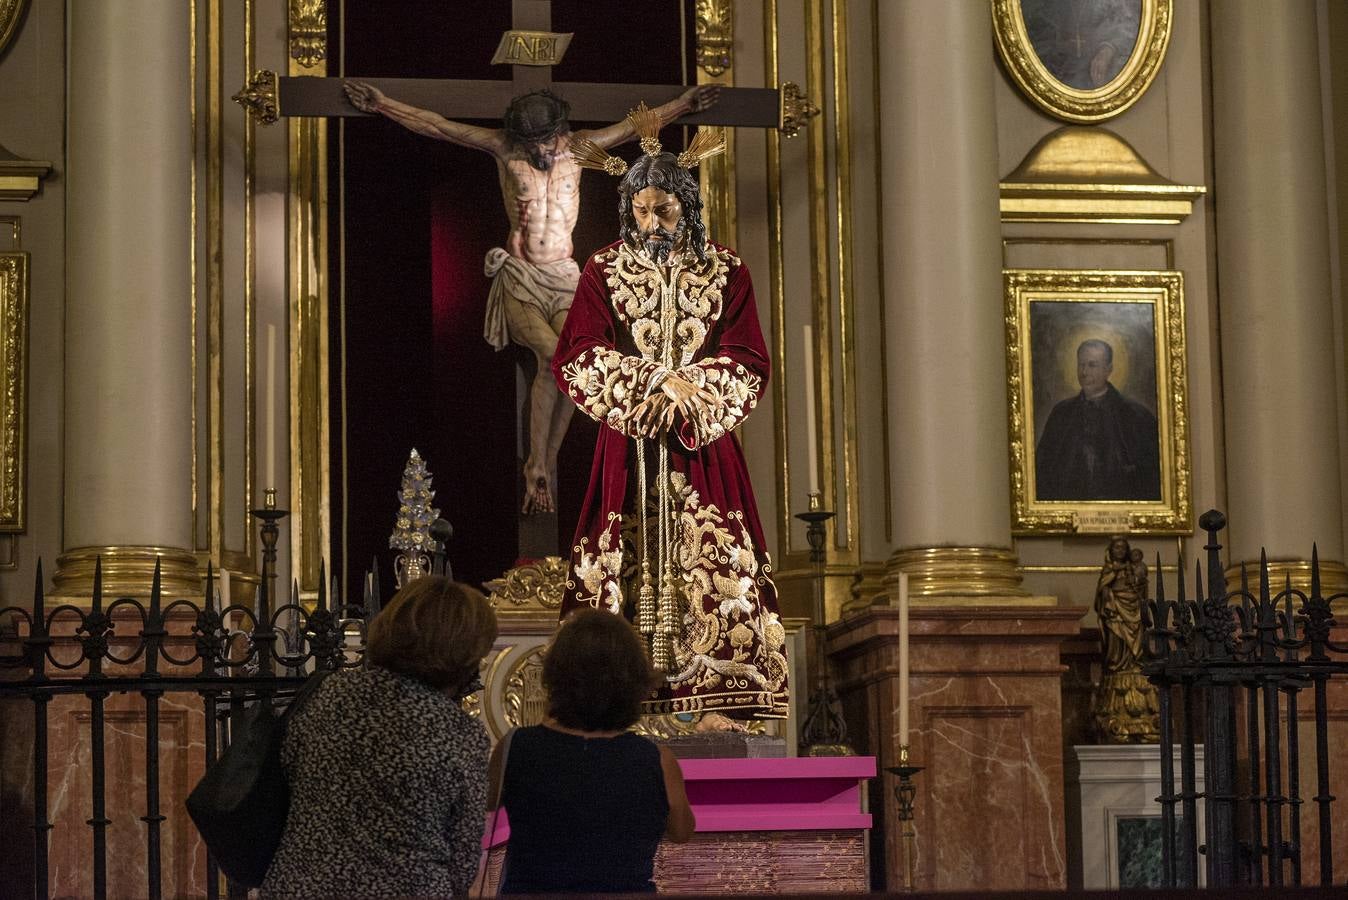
<point x="729" y="650"/>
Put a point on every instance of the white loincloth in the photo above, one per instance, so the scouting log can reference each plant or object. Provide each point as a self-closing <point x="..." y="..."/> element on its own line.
<point x="548" y="288"/>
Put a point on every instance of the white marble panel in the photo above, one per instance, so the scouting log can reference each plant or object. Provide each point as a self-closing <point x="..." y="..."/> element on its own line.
<point x="1112" y="785"/>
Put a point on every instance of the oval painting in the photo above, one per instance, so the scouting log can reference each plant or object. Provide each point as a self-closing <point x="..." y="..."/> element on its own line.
<point x="1082" y="60"/>
<point x="1083" y="43"/>
<point x="10" y="13"/>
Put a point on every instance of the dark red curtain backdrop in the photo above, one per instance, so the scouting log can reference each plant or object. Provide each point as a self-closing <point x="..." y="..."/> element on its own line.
<point x="419" y="217"/>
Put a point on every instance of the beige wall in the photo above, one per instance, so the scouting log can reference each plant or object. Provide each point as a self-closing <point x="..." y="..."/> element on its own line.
<point x="1334" y="69"/>
<point x="32" y="125"/>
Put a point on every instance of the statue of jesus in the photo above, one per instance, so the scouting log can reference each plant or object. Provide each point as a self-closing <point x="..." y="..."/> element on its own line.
<point x="534" y="275"/>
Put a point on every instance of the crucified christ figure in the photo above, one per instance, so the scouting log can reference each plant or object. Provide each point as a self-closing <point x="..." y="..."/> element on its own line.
<point x="534" y="275"/>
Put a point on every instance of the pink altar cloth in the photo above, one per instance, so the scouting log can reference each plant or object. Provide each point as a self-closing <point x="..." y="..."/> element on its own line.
<point x="802" y="793"/>
<point x="805" y="819"/>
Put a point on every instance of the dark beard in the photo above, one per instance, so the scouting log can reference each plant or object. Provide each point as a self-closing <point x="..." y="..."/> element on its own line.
<point x="537" y="158"/>
<point x="660" y="242"/>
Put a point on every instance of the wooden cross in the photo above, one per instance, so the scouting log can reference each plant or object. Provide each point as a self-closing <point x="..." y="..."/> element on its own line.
<point x="267" y="97"/>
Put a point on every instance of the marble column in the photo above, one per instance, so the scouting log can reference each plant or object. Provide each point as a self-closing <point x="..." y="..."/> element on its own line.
<point x="945" y="346"/>
<point x="128" y="414"/>
<point x="1273" y="263"/>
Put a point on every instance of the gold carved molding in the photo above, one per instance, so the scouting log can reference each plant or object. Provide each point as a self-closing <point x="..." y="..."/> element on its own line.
<point x="796" y="111"/>
<point x="715" y="28"/>
<point x="1164" y="292"/>
<point x="20" y="178"/>
<point x="1074" y="104"/>
<point x="259" y="97"/>
<point x="975" y="572"/>
<point x="716" y="176"/>
<point x="13" y="390"/>
<point x="305" y="410"/>
<point x="127" y="572"/>
<point x="11" y="11"/>
<point x="524" y="700"/>
<point x="1089" y="174"/>
<point x="307" y="28"/>
<point x="530" y="587"/>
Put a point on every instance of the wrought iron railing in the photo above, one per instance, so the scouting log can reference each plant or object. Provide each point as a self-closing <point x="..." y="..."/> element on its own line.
<point x="1239" y="660"/>
<point x="228" y="657"/>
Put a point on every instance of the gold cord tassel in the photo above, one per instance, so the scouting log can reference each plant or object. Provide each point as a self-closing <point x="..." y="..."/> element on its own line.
<point x="646" y="122"/>
<point x="646" y="616"/>
<point x="662" y="645"/>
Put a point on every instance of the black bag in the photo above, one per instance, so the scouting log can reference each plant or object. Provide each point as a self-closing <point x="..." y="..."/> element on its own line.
<point x="240" y="804"/>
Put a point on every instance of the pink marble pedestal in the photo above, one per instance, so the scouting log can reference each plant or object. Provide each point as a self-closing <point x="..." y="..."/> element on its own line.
<point x="763" y="826"/>
<point x="986" y="716"/>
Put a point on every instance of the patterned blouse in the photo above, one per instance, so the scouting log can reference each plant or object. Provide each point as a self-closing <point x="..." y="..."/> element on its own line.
<point x="388" y="792"/>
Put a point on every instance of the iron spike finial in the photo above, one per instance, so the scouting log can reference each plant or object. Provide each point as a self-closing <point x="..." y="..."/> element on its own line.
<point x="322" y="584"/>
<point x="1315" y="570"/>
<point x="98" y="583"/>
<point x="156" y="585"/>
<point x="39" y="597"/>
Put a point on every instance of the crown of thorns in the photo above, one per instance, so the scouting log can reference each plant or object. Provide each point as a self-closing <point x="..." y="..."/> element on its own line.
<point x="704" y="145"/>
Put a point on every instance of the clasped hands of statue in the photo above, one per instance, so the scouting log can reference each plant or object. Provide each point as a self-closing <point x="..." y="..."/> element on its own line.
<point x="674" y="397"/>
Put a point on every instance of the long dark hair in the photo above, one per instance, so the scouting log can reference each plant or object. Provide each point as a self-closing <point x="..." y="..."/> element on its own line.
<point x="534" y="118"/>
<point x="664" y="173"/>
<point x="596" y="672"/>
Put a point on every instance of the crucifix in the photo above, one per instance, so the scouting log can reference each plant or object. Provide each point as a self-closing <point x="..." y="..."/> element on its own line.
<point x="531" y="50"/>
<point x="534" y="274"/>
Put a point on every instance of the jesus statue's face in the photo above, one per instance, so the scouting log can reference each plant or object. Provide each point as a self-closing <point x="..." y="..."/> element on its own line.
<point x="652" y="206"/>
<point x="659" y="219"/>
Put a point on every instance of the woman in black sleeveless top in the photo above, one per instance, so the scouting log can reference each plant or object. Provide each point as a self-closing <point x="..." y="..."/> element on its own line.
<point x="588" y="801"/>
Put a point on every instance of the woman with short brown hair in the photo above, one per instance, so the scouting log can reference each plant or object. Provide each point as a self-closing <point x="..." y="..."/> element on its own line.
<point x="588" y="800"/>
<point x="387" y="772"/>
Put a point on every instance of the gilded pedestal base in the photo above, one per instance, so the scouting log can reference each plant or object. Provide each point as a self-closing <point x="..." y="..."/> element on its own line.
<point x="127" y="572"/>
<point x="975" y="575"/>
<point x="1333" y="575"/>
<point x="1124" y="709"/>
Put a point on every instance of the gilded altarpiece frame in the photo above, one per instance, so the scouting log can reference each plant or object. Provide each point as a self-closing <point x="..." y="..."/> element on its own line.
<point x="1050" y="314"/>
<point x="308" y="248"/>
<point x="810" y="37"/>
<point x="13" y="390"/>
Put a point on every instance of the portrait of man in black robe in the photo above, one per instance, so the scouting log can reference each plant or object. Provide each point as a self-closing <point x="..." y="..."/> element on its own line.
<point x="1099" y="444"/>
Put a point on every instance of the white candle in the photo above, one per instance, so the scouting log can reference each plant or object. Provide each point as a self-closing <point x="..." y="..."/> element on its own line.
<point x="224" y="589"/>
<point x="903" y="659"/>
<point x="812" y="466"/>
<point x="270" y="388"/>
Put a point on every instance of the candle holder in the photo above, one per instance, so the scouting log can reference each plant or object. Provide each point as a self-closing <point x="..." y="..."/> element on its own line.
<point x="905" y="792"/>
<point x="264" y="635"/>
<point x="824" y="732"/>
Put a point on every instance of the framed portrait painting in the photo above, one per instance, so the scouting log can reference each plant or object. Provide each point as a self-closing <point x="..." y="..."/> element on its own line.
<point x="1082" y="60"/>
<point x="1097" y="397"/>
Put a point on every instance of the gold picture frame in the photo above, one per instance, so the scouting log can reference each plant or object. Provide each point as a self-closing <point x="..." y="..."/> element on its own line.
<point x="13" y="390"/>
<point x="1083" y="466"/>
<point x="11" y="11"/>
<point x="1072" y="58"/>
